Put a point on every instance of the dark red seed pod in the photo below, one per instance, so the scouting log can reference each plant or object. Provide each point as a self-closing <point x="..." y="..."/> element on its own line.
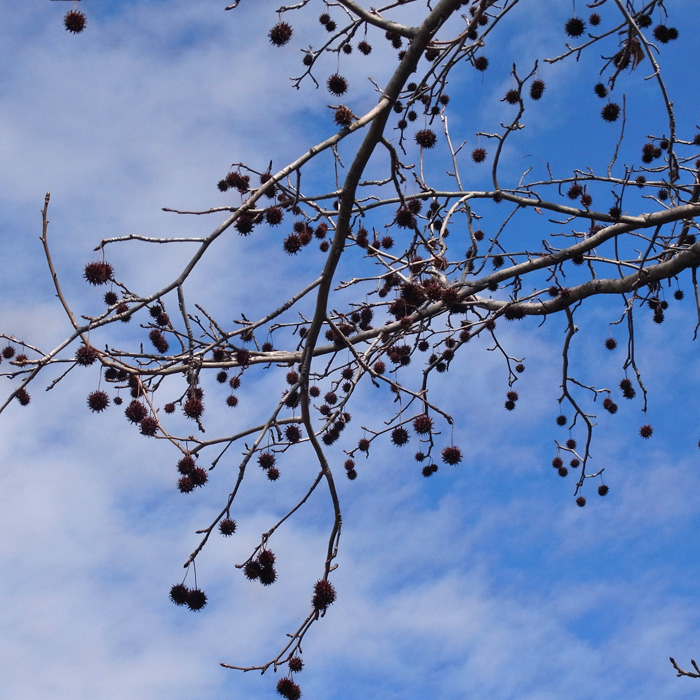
<point x="324" y="594"/>
<point x="610" y="112"/>
<point x="280" y="34"/>
<point x="288" y="689"/>
<point x="452" y="455"/>
<point x="86" y="355"/>
<point x="98" y="273"/>
<point x="98" y="401"/>
<point x="179" y="593"/>
<point x="423" y="424"/>
<point x="575" y="27"/>
<point x="196" y="599"/>
<point x="337" y="84"/>
<point x="426" y="138"/>
<point x="74" y="22"/>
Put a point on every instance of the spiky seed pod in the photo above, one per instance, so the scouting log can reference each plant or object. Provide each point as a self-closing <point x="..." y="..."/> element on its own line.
<point x="610" y="406"/>
<point x="245" y="223"/>
<point x="149" y="426"/>
<point x="575" y="191"/>
<point x="268" y="575"/>
<point x="121" y="310"/>
<point x="678" y="294"/>
<point x="512" y="396"/>
<point x="646" y="431"/>
<point x="287" y="688"/>
<point x="193" y="408"/>
<point x="399" y="436"/>
<point x="575" y="27"/>
<point x="337" y="84"/>
<point x="479" y="155"/>
<point x="536" y="89"/>
<point x="23" y="397"/>
<point x="159" y="341"/>
<point x="186" y="465"/>
<point x="292" y="244"/>
<point x="364" y="48"/>
<point x="179" y="593"/>
<point x="292" y="433"/>
<point x="98" y="401"/>
<point x="86" y="355"/>
<point x="628" y="390"/>
<point x="610" y="112"/>
<point x="295" y="664"/>
<point x="603" y="490"/>
<point x="343" y="116"/>
<point x="324" y="594"/>
<point x="199" y="476"/>
<point x="266" y="460"/>
<point x="8" y="352"/>
<point x="74" y="22"/>
<point x="600" y="90"/>
<point x="196" y="599"/>
<point x="363" y="445"/>
<point x="252" y="570"/>
<point x="509" y="405"/>
<point x="280" y="34"/>
<point x="661" y="33"/>
<point x="266" y="558"/>
<point x="610" y="343"/>
<point x="586" y="199"/>
<point x="481" y="63"/>
<point x="238" y="181"/>
<point x="98" y="273"/>
<point x="557" y="462"/>
<point x="452" y="455"/>
<point x="404" y="218"/>
<point x="324" y="19"/>
<point x="512" y="97"/>
<point x="426" y="138"/>
<point x="562" y="471"/>
<point x="580" y="501"/>
<point x="117" y="400"/>
<point x="111" y="298"/>
<point x="423" y="424"/>
<point x="594" y="19"/>
<point x="136" y="411"/>
<point x="185" y="484"/>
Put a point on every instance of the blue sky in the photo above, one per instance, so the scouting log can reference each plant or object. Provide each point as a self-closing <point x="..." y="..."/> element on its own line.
<point x="485" y="581"/>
